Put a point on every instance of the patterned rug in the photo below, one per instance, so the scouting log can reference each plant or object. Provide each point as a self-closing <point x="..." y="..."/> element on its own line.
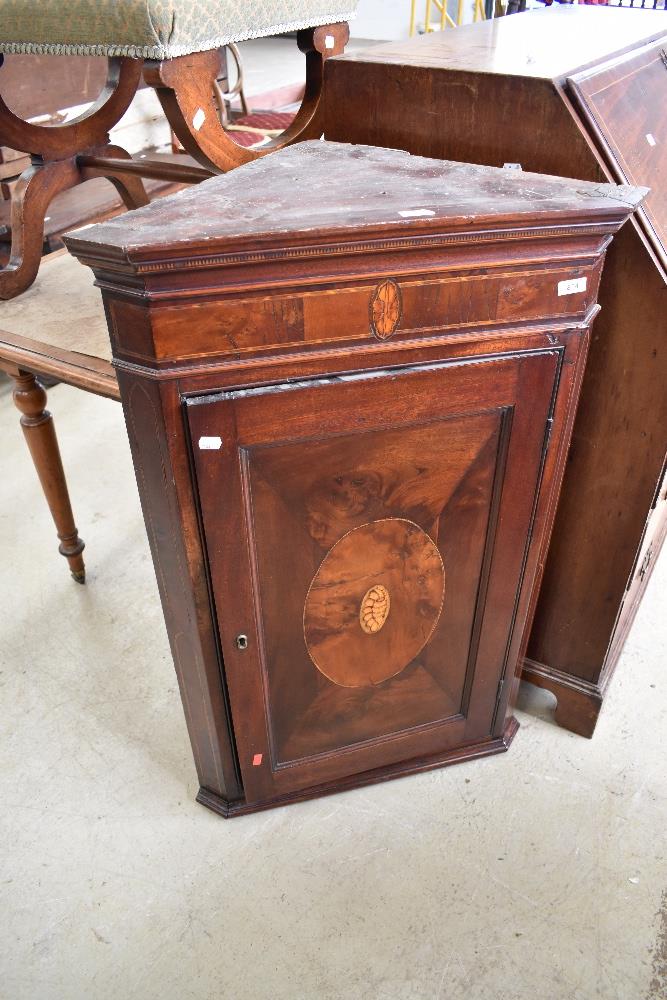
<point x="259" y="127"/>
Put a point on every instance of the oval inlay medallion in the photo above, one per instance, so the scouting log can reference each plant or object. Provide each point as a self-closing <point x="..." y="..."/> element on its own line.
<point x="374" y="609"/>
<point x="374" y="602"/>
<point x="385" y="308"/>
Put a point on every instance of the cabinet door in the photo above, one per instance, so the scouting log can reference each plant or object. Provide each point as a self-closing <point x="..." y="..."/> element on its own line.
<point x="367" y="537"/>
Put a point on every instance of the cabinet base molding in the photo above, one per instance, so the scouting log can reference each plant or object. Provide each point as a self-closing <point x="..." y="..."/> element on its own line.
<point x="485" y="748"/>
<point x="578" y="701"/>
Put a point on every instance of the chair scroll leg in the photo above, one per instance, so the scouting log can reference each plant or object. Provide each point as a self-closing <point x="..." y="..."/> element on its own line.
<point x="186" y="87"/>
<point x="54" y="168"/>
<point x="30" y="200"/>
<point x="130" y="188"/>
<point x="40" y="434"/>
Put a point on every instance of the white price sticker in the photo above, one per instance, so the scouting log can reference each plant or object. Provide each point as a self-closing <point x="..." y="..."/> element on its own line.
<point x="416" y="213"/>
<point x="572" y="286"/>
<point x="210" y="443"/>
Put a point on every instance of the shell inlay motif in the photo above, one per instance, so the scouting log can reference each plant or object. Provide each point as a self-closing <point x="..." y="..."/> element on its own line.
<point x="374" y="609"/>
<point x="386" y="308"/>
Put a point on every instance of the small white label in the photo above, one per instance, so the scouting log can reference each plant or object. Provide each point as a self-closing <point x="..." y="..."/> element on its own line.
<point x="651" y="139"/>
<point x="210" y="443"/>
<point x="199" y="119"/>
<point x="512" y="166"/>
<point x="416" y="213"/>
<point x="572" y="286"/>
<point x="329" y="41"/>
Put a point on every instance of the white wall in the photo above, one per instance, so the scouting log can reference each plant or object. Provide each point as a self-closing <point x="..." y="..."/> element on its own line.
<point x="384" y="20"/>
<point x="389" y="20"/>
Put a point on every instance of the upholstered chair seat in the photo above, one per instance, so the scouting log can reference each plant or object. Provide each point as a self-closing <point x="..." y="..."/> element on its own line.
<point x="153" y="29"/>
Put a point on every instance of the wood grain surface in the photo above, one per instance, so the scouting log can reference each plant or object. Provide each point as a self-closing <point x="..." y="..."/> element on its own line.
<point x="389" y="479"/>
<point x="620" y="100"/>
<point x="374" y="602"/>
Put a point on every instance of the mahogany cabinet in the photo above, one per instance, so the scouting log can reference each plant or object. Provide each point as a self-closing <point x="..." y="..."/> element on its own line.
<point x="349" y="377"/>
<point x="576" y="91"/>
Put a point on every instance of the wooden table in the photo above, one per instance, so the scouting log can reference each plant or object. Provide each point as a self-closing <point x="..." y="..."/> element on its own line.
<point x="576" y="91"/>
<point x="349" y="414"/>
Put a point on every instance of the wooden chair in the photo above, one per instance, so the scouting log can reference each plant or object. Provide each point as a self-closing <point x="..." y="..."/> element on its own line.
<point x="56" y="328"/>
<point x="175" y="45"/>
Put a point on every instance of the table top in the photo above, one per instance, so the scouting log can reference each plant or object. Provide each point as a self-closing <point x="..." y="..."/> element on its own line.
<point x="57" y="327"/>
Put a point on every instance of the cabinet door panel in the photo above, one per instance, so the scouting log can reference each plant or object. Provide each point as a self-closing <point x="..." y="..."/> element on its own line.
<point x="367" y="535"/>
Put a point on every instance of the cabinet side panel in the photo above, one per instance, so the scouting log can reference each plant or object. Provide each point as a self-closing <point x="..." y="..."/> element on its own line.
<point x="159" y="450"/>
<point x="617" y="451"/>
<point x="468" y="116"/>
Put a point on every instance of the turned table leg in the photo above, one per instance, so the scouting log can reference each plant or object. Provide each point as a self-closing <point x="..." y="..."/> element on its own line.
<point x="39" y="431"/>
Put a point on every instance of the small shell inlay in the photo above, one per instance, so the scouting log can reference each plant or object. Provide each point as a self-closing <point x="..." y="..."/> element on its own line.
<point x="374" y="609"/>
<point x="386" y="308"/>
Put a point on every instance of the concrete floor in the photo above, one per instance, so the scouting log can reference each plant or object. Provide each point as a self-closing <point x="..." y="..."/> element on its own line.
<point x="540" y="874"/>
<point x="537" y="874"/>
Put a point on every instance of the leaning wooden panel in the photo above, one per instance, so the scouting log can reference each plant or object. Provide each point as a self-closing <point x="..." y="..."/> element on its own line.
<point x="620" y="100"/>
<point x="512" y="91"/>
<point x="347" y="519"/>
